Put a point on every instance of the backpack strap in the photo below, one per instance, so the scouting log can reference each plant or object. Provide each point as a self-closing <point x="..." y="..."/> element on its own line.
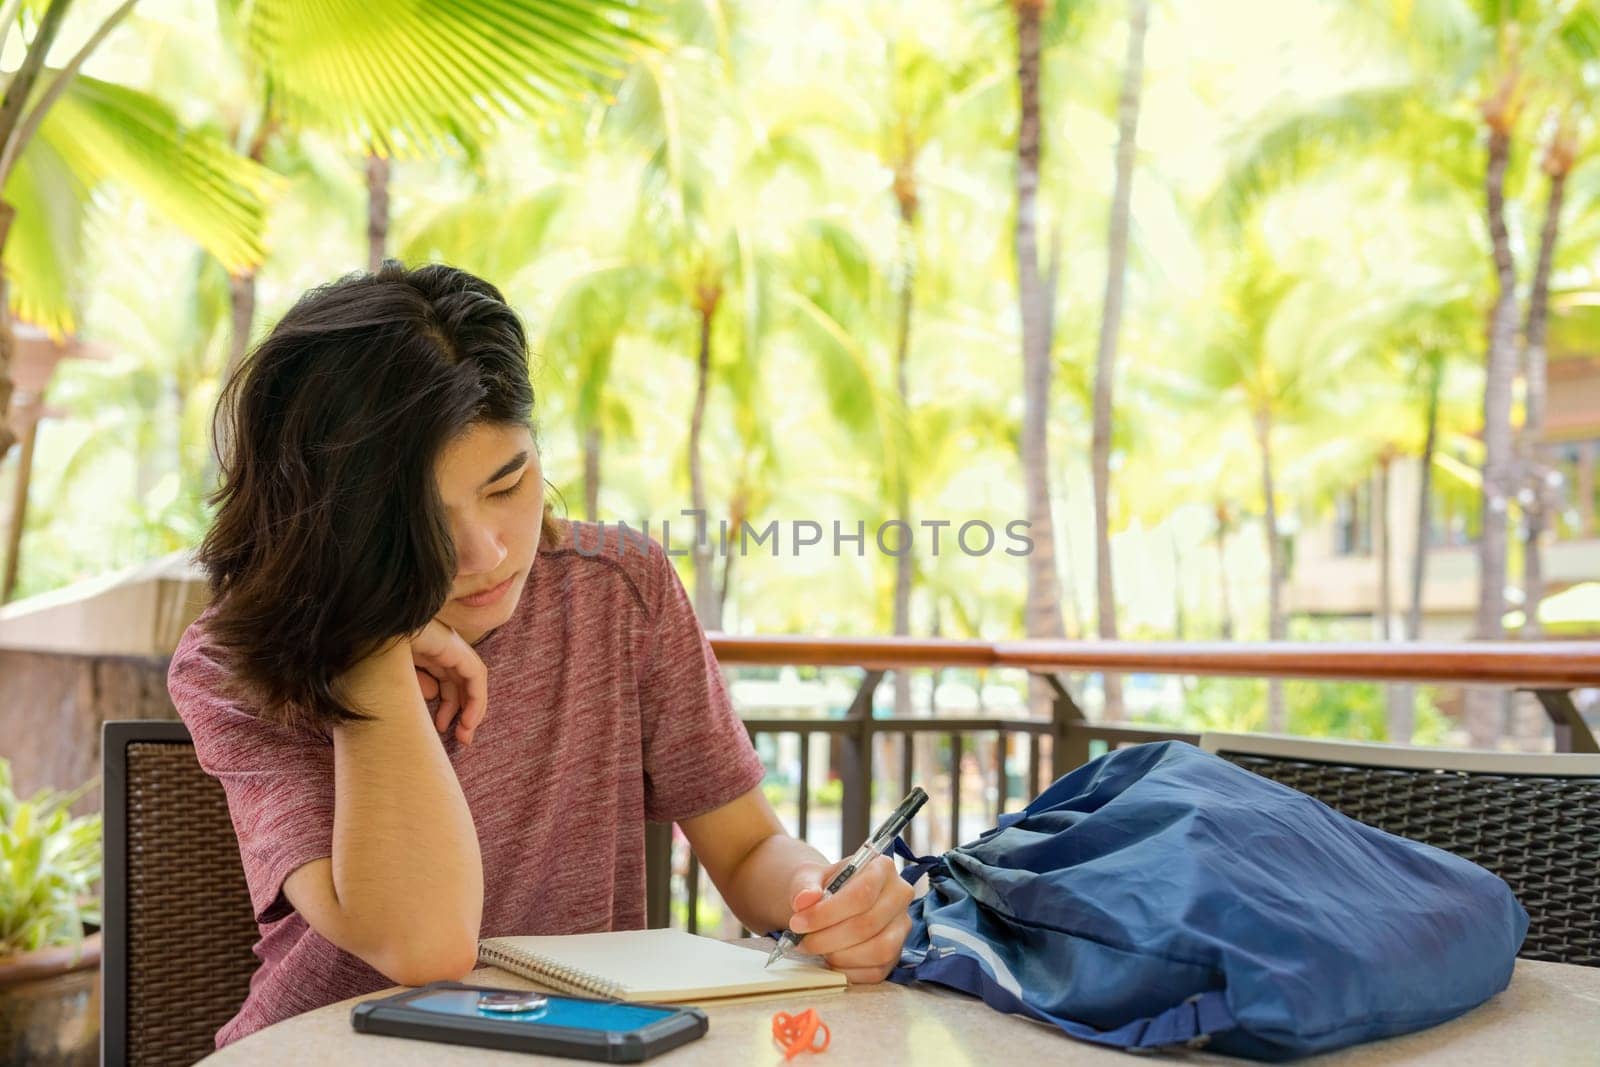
<point x="1189" y="1024"/>
<point x="916" y="866"/>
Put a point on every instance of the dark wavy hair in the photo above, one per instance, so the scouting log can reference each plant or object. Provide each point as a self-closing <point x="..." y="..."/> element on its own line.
<point x="330" y="538"/>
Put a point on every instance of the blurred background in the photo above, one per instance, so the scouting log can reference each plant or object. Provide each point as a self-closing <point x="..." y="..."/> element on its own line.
<point x="1276" y="321"/>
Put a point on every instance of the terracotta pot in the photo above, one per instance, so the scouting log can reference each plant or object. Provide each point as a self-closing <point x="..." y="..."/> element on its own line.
<point x="50" y="1006"/>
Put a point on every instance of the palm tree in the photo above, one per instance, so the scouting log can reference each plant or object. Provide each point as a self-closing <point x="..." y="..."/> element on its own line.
<point x="330" y="67"/>
<point x="1481" y="52"/>
<point x="1036" y="292"/>
<point x="75" y="136"/>
<point x="1110" y="324"/>
<point x="62" y="135"/>
<point x="1275" y="361"/>
<point x="1559" y="156"/>
<point x="702" y="227"/>
<point x="930" y="83"/>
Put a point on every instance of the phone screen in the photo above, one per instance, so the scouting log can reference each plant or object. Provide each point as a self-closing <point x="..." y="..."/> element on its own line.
<point x="557" y="1011"/>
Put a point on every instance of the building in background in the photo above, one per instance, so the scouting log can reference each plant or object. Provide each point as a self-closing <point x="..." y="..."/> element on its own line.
<point x="1336" y="569"/>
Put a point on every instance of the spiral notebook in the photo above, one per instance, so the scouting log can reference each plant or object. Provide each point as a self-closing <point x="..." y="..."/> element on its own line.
<point x="660" y="966"/>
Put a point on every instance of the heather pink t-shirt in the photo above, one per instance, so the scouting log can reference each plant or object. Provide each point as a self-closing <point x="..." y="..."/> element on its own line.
<point x="606" y="709"/>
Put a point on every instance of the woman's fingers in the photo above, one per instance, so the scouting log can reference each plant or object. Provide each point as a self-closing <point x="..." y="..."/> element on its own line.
<point x="448" y="705"/>
<point x="428" y="684"/>
<point x="884" y="911"/>
<point x="461" y="680"/>
<point x="872" y="959"/>
<point x="856" y="897"/>
<point x="474" y="687"/>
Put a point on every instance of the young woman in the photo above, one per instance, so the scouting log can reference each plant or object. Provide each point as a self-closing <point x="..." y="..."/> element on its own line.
<point x="440" y="712"/>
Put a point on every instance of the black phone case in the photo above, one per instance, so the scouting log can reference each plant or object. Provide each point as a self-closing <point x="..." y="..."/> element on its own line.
<point x="386" y="1016"/>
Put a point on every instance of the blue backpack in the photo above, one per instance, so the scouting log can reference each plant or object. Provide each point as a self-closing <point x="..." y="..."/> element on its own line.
<point x="1160" y="896"/>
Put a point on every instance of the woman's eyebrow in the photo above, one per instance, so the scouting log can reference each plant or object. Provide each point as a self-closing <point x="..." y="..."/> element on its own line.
<point x="510" y="465"/>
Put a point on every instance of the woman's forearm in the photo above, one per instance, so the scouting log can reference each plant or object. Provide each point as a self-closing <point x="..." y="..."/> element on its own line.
<point x="406" y="874"/>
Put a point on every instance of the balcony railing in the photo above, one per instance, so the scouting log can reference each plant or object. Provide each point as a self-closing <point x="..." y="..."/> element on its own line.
<point x="1549" y="670"/>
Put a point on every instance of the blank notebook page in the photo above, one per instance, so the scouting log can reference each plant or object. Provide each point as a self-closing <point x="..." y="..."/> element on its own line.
<point x="668" y="966"/>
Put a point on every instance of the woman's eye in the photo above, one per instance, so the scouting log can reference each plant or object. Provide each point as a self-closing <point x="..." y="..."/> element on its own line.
<point x="509" y="492"/>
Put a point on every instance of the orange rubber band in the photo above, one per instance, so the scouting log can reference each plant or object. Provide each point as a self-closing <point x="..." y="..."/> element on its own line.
<point x="797" y="1033"/>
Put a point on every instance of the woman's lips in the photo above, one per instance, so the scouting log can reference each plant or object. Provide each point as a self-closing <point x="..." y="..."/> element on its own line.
<point x="488" y="596"/>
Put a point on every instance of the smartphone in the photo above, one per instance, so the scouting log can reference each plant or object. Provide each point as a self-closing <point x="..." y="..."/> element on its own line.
<point x="521" y="1021"/>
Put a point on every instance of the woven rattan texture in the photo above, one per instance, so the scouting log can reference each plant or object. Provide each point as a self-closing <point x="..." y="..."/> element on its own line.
<point x="190" y="922"/>
<point x="1541" y="834"/>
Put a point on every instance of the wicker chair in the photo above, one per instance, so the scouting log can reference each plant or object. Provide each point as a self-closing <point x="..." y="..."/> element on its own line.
<point x="1532" y="820"/>
<point x="179" y="926"/>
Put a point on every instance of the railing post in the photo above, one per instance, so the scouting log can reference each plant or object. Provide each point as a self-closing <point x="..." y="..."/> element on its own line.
<point x="855" y="749"/>
<point x="1069" y="746"/>
<point x="658" y="875"/>
<point x="1571" y="732"/>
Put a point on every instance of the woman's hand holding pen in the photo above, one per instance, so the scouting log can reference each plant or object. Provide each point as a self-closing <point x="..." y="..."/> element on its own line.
<point x="858" y="930"/>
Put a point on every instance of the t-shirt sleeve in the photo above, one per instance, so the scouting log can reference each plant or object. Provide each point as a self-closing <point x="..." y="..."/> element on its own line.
<point x="278" y="779"/>
<point x="697" y="753"/>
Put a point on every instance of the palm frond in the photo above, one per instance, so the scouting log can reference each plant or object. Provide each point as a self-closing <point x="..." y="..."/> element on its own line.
<point x="400" y="79"/>
<point x="46" y="240"/>
<point x="107" y="132"/>
<point x="459" y="232"/>
<point x="1290" y="146"/>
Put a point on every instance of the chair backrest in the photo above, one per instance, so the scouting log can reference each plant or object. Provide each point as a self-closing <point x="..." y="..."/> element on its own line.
<point x="1534" y="820"/>
<point x="179" y="926"/>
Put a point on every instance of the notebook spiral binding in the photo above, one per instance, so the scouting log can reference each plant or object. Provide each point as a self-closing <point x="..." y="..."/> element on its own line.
<point x="546" y="969"/>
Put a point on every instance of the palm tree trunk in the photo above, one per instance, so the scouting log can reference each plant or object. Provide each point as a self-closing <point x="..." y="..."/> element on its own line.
<point x="737" y="514"/>
<point x="1071" y="621"/>
<point x="242" y="310"/>
<point x="1557" y="163"/>
<point x="1400" y="698"/>
<point x="377" y="209"/>
<point x="242" y="313"/>
<point x="1403" y="698"/>
<point x="1277" y="717"/>
<point x="18" y="89"/>
<point x="1036" y="296"/>
<point x="705" y="600"/>
<point x="1224" y="600"/>
<point x="591" y="474"/>
<point x="1482" y="706"/>
<point x="30" y="410"/>
<point x="1419" y="552"/>
<point x="8" y="337"/>
<point x="1500" y="369"/>
<point x="1110" y="327"/>
<point x="1380" y="519"/>
<point x="906" y="198"/>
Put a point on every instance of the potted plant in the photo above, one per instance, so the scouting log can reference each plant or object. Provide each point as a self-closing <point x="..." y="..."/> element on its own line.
<point x="49" y="923"/>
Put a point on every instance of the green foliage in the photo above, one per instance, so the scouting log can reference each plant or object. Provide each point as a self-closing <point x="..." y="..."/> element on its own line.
<point x="1351" y="711"/>
<point x="829" y="794"/>
<point x="427" y="75"/>
<point x="778" y="794"/>
<point x="101" y="133"/>
<point x="49" y="864"/>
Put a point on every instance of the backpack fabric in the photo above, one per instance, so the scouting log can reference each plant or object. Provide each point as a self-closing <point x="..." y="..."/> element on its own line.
<point x="1160" y="895"/>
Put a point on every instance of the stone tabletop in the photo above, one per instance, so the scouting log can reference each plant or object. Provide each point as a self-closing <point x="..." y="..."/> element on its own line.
<point x="1550" y="1014"/>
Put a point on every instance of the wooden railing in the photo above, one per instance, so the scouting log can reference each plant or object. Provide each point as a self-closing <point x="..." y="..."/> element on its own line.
<point x="1549" y="670"/>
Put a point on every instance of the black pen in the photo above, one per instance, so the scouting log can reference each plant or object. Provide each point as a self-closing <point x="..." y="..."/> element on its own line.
<point x="880" y="840"/>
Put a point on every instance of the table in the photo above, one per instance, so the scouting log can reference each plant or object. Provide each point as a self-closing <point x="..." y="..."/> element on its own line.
<point x="1550" y="1014"/>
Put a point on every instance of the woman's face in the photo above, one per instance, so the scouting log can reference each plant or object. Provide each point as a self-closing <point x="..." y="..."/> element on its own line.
<point x="493" y="492"/>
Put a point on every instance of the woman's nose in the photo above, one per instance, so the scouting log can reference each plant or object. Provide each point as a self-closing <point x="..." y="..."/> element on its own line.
<point x="479" y="551"/>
